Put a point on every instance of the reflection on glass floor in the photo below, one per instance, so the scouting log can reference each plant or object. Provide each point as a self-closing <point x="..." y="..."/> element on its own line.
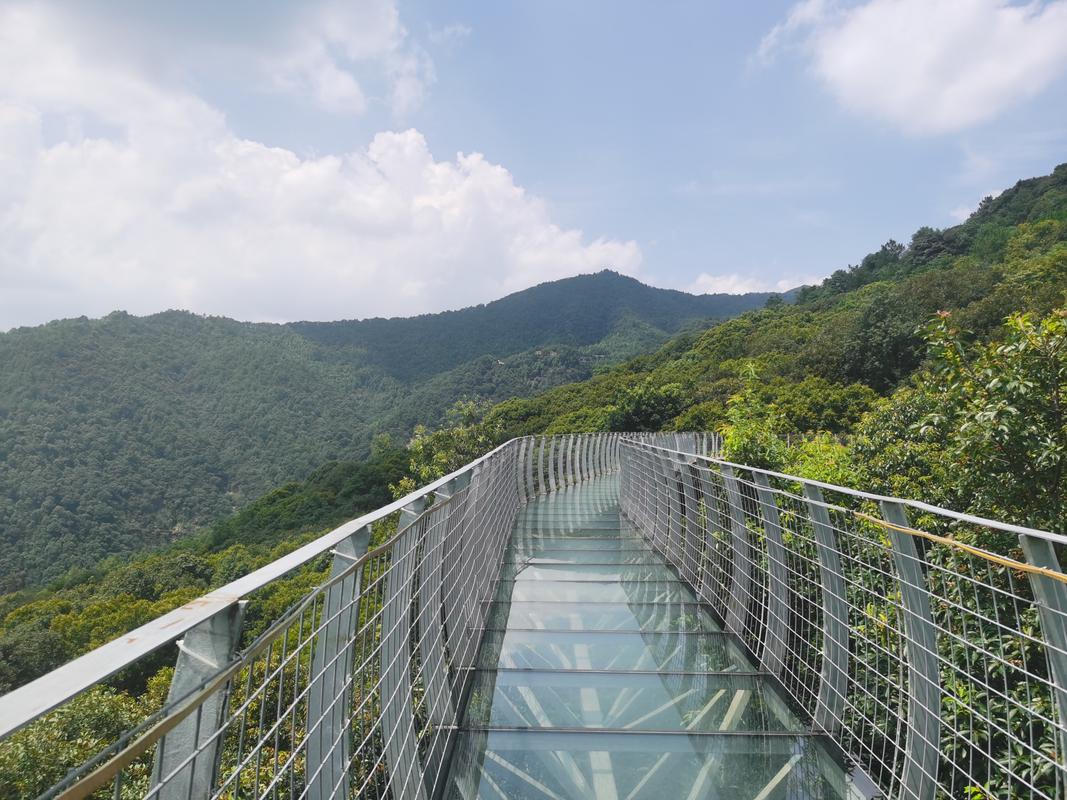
<point x="601" y="677"/>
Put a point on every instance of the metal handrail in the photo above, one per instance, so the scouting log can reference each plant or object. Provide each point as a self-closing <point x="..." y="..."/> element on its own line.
<point x="19" y="707"/>
<point x="918" y="505"/>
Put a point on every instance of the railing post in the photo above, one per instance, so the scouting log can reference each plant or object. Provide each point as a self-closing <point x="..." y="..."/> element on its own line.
<point x="579" y="457"/>
<point x="520" y="472"/>
<point x="693" y="549"/>
<point x="571" y="440"/>
<point x="834" y="679"/>
<point x="741" y="560"/>
<point x="531" y="490"/>
<point x="397" y="712"/>
<point x="675" y="531"/>
<point x="661" y="506"/>
<point x="1051" y="596"/>
<point x="186" y="757"/>
<point x="775" y="639"/>
<point x="454" y="560"/>
<point x="922" y="747"/>
<point x="330" y="692"/>
<point x="541" y="466"/>
<point x="552" y="461"/>
<point x="431" y="633"/>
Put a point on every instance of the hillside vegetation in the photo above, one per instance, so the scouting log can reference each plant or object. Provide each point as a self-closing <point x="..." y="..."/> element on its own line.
<point x="125" y="433"/>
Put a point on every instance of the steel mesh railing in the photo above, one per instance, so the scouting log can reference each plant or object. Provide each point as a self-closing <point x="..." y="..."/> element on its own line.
<point x="353" y="691"/>
<point x="935" y="661"/>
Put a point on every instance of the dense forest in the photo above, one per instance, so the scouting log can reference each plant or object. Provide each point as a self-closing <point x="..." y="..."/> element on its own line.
<point x="126" y="433"/>
<point x="935" y="370"/>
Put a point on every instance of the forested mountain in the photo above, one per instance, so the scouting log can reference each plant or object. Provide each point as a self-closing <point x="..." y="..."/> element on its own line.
<point x="576" y="311"/>
<point x="126" y="432"/>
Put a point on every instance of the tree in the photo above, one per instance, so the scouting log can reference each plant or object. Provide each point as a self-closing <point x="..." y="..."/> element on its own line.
<point x="754" y="430"/>
<point x="1002" y="405"/>
<point x="647" y="407"/>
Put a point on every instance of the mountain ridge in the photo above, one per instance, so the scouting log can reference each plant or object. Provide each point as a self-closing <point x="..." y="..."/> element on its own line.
<point x="125" y="432"/>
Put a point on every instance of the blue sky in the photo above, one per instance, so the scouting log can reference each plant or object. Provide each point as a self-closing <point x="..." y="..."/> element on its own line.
<point x="276" y="161"/>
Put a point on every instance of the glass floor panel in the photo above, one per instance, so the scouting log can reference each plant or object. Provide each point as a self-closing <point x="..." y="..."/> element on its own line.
<point x="505" y="764"/>
<point x="674" y="652"/>
<point x="641" y="701"/>
<point x="602" y="543"/>
<point x="600" y="616"/>
<point x="547" y="534"/>
<point x="589" y="592"/>
<point x="550" y="556"/>
<point x="595" y="572"/>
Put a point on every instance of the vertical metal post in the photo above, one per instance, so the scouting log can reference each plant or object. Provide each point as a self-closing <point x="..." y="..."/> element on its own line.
<point x="775" y="638"/>
<point x="330" y="693"/>
<point x="571" y="440"/>
<point x="1051" y="595"/>
<point x="676" y="530"/>
<point x="397" y="712"/>
<point x="204" y="651"/>
<point x="520" y="473"/>
<point x="431" y="632"/>
<point x="579" y="457"/>
<point x="660" y="528"/>
<point x="541" y="466"/>
<point x="834" y="680"/>
<point x="552" y="462"/>
<point x="458" y="554"/>
<point x="531" y="489"/>
<point x="693" y="550"/>
<point x="714" y="529"/>
<point x="922" y="745"/>
<point x="741" y="561"/>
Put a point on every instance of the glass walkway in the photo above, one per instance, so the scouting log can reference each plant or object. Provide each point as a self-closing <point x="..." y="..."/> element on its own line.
<point x="601" y="677"/>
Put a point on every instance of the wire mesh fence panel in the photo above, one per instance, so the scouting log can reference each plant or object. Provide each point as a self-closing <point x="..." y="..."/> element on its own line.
<point x="933" y="651"/>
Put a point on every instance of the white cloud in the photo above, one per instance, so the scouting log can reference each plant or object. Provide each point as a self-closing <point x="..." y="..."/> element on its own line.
<point x="736" y="283"/>
<point x="928" y="66"/>
<point x="332" y="41"/>
<point x="173" y="209"/>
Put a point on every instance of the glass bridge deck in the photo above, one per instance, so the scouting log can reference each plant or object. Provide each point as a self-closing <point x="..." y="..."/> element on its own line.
<point x="600" y="676"/>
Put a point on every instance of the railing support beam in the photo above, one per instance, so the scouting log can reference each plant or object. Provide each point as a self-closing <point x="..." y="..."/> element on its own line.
<point x="776" y="635"/>
<point x="922" y="750"/>
<point x="741" y="560"/>
<point x="186" y="757"/>
<point x="833" y="683"/>
<point x="330" y="692"/>
<point x="1051" y="595"/>
<point x="397" y="712"/>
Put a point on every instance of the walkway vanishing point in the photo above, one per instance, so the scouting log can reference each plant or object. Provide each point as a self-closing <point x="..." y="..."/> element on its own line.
<point x="607" y="616"/>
